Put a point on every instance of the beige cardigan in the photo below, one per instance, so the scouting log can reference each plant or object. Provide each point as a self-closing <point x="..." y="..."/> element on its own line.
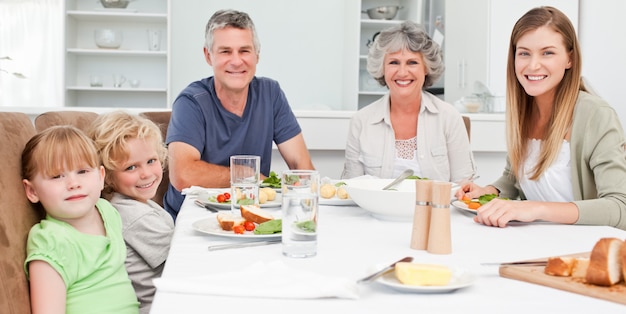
<point x="598" y="165"/>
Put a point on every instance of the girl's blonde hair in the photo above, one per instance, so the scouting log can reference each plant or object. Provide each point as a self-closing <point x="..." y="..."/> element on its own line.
<point x="56" y="149"/>
<point x="520" y="105"/>
<point x="111" y="133"/>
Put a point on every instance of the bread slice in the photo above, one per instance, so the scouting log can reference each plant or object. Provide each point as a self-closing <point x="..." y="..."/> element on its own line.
<point x="227" y="221"/>
<point x="560" y="266"/>
<point x="622" y="254"/>
<point x="255" y="214"/>
<point x="605" y="265"/>
<point x="580" y="267"/>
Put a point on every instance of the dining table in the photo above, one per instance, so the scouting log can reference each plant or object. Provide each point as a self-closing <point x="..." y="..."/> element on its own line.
<point x="352" y="244"/>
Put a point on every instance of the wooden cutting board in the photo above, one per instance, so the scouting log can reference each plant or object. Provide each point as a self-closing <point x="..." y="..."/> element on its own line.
<point x="536" y="275"/>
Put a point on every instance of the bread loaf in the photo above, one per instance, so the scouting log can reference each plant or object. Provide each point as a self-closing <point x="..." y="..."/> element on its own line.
<point x="605" y="264"/>
<point x="560" y="266"/>
<point x="227" y="221"/>
<point x="255" y="214"/>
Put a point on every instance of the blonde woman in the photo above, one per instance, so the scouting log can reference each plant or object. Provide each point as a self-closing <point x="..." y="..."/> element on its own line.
<point x="565" y="146"/>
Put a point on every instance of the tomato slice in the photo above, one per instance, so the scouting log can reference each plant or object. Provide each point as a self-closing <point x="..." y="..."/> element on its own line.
<point x="221" y="198"/>
<point x="239" y="229"/>
<point x="226" y="196"/>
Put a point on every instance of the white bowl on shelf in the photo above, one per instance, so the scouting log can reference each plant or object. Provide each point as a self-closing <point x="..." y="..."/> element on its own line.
<point x="108" y="38"/>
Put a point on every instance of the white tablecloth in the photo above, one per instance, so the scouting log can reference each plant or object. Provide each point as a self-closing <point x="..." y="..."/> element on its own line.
<point x="351" y="243"/>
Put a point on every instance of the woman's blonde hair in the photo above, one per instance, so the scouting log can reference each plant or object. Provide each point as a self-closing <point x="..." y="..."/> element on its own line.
<point x="111" y="133"/>
<point x="520" y="105"/>
<point x="56" y="149"/>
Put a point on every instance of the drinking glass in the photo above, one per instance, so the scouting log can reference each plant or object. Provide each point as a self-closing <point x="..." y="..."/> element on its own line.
<point x="244" y="181"/>
<point x="300" y="206"/>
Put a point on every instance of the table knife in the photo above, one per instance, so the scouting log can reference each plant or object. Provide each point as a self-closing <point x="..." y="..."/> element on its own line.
<point x="241" y="244"/>
<point x="383" y="271"/>
<point x="522" y="263"/>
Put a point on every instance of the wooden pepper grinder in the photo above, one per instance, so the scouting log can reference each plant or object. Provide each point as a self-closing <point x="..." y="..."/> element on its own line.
<point x="439" y="237"/>
<point x="421" y="215"/>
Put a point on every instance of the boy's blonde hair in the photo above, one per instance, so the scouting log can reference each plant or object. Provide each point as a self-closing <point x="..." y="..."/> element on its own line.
<point x="56" y="149"/>
<point x="111" y="133"/>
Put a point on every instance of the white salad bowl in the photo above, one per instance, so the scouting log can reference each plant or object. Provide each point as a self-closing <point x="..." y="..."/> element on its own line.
<point x="397" y="204"/>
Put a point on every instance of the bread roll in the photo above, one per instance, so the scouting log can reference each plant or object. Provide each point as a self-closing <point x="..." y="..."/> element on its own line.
<point x="605" y="264"/>
<point x="271" y="193"/>
<point x="255" y="214"/>
<point x="560" y="266"/>
<point x="262" y="197"/>
<point x="342" y="193"/>
<point x="227" y="221"/>
<point x="327" y="190"/>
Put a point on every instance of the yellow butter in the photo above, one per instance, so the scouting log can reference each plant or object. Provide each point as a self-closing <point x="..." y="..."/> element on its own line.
<point x="422" y="274"/>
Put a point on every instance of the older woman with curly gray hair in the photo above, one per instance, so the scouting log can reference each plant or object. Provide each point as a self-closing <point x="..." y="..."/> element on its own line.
<point x="407" y="128"/>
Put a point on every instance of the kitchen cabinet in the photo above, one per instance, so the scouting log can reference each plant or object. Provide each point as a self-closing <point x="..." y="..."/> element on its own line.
<point x="369" y="89"/>
<point x="145" y="68"/>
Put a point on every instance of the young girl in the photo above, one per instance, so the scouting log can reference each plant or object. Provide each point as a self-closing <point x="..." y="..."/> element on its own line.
<point x="132" y="151"/>
<point x="75" y="256"/>
<point x="565" y="145"/>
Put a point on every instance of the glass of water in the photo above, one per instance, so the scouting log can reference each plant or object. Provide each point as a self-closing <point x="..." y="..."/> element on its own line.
<point x="300" y="204"/>
<point x="244" y="181"/>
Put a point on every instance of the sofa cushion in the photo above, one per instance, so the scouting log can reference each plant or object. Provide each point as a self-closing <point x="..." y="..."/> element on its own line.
<point x="17" y="215"/>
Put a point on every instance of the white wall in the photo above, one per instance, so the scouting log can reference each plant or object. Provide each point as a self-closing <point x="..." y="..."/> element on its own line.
<point x="310" y="48"/>
<point x="602" y="34"/>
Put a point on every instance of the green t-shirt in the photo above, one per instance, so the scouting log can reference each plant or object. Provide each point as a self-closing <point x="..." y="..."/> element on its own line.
<point x="92" y="267"/>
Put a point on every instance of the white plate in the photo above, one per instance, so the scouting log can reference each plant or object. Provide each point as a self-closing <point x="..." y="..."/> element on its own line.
<point x="335" y="201"/>
<point x="269" y="204"/>
<point x="462" y="207"/>
<point x="212" y="227"/>
<point x="460" y="279"/>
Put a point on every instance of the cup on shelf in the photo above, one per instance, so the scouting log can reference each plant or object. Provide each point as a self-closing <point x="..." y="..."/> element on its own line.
<point x="134" y="83"/>
<point x="154" y="40"/>
<point x="95" y="81"/>
<point x="118" y="80"/>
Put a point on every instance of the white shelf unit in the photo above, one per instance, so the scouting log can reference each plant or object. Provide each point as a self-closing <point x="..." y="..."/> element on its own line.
<point x="132" y="59"/>
<point x="369" y="89"/>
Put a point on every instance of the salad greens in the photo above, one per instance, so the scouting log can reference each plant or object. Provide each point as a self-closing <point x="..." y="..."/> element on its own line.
<point x="272" y="181"/>
<point x="269" y="227"/>
<point x="308" y="225"/>
<point x="416" y="178"/>
<point x="340" y="183"/>
<point x="484" y="199"/>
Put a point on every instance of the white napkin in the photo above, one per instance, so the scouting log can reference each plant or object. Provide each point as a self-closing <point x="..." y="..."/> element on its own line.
<point x="193" y="190"/>
<point x="270" y="280"/>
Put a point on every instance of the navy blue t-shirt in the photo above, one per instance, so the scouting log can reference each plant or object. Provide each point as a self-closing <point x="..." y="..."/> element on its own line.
<point x="200" y="120"/>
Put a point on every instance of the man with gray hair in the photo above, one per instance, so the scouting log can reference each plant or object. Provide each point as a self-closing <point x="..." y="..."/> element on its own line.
<point x="232" y="112"/>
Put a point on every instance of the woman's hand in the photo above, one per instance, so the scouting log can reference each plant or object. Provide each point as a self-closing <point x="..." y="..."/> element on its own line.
<point x="499" y="212"/>
<point x="471" y="190"/>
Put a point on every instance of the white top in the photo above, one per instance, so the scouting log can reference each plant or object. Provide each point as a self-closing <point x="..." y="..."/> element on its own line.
<point x="555" y="185"/>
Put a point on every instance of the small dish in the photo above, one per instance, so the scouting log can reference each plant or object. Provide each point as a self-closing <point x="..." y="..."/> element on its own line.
<point x="460" y="279"/>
